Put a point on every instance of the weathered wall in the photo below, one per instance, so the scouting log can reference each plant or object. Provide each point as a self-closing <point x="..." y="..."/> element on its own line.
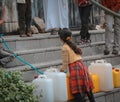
<point x="11" y="23"/>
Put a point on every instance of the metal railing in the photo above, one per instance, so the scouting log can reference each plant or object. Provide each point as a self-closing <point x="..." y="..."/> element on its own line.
<point x="97" y="13"/>
<point x="74" y="17"/>
<point x="105" y="9"/>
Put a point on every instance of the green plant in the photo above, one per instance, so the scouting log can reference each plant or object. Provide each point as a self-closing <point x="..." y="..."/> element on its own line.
<point x="14" y="89"/>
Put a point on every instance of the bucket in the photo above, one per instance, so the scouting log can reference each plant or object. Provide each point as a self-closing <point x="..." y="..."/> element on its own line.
<point x="104" y="71"/>
<point x="43" y="88"/>
<point x="59" y="84"/>
<point x="96" y="82"/>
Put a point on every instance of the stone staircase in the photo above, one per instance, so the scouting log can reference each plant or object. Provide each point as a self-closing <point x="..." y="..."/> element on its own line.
<point x="44" y="51"/>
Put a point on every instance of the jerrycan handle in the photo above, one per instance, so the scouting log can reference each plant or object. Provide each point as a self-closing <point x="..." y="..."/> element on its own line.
<point x="117" y="70"/>
<point x="52" y="70"/>
<point x="100" y="61"/>
<point x="42" y="76"/>
<point x="55" y="70"/>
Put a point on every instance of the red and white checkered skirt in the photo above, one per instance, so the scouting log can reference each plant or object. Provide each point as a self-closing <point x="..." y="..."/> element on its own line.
<point x="80" y="80"/>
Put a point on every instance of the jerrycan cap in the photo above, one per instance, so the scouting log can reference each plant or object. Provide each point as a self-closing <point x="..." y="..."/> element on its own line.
<point x="35" y="77"/>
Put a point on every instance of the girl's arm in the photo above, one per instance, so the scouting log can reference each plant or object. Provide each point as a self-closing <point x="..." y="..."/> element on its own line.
<point x="64" y="60"/>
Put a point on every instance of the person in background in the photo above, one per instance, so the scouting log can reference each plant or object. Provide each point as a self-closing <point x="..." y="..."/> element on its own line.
<point x="112" y="45"/>
<point x="24" y="17"/>
<point x="5" y="56"/>
<point x="56" y="15"/>
<point x="4" y="15"/>
<point x="84" y="11"/>
<point x="80" y="81"/>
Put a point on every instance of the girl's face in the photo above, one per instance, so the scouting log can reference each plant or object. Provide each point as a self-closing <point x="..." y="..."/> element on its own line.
<point x="61" y="40"/>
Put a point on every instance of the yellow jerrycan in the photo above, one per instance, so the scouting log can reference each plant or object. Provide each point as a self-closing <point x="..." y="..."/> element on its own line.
<point x="70" y="96"/>
<point x="96" y="82"/>
<point x="116" y="78"/>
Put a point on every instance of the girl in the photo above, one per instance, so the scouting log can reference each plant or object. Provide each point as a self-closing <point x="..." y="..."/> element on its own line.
<point x="80" y="81"/>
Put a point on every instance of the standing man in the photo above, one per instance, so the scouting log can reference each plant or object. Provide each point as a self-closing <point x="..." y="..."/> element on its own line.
<point x="110" y="43"/>
<point x="84" y="11"/>
<point x="24" y="17"/>
<point x="56" y="14"/>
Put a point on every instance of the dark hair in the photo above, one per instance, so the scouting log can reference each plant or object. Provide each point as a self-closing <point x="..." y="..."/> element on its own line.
<point x="66" y="33"/>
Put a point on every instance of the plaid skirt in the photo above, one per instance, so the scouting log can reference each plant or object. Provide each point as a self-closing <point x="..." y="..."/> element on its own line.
<point x="80" y="80"/>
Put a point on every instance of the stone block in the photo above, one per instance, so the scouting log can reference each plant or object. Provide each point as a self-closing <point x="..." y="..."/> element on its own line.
<point x="100" y="99"/>
<point x="109" y="98"/>
<point x="116" y="97"/>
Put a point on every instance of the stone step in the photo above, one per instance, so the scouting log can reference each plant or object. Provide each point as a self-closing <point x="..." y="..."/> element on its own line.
<point x="54" y="53"/>
<point x="45" y="40"/>
<point x="111" y="96"/>
<point x="29" y="74"/>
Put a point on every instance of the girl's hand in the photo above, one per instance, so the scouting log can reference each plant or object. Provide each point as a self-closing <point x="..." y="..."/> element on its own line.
<point x="61" y="70"/>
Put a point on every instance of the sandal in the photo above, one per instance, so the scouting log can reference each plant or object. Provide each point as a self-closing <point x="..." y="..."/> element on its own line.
<point x="22" y="35"/>
<point x="88" y="41"/>
<point x="54" y="32"/>
<point x="29" y="34"/>
<point x="81" y="41"/>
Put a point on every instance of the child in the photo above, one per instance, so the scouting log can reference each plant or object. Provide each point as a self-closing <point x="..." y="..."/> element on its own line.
<point x="84" y="11"/>
<point x="5" y="56"/>
<point x="80" y="81"/>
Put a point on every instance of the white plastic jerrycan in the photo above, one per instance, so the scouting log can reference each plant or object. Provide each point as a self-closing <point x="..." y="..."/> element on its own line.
<point x="43" y="88"/>
<point x="60" y="85"/>
<point x="104" y="71"/>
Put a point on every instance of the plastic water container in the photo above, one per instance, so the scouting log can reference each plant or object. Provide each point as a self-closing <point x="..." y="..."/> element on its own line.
<point x="116" y="78"/>
<point x="59" y="84"/>
<point x="43" y="88"/>
<point x="96" y="82"/>
<point x="104" y="71"/>
<point x="70" y="96"/>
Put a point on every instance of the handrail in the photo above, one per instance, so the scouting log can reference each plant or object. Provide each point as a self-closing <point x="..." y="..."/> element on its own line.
<point x="105" y="9"/>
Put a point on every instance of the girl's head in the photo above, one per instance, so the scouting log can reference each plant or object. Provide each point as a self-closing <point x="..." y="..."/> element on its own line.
<point x="65" y="35"/>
